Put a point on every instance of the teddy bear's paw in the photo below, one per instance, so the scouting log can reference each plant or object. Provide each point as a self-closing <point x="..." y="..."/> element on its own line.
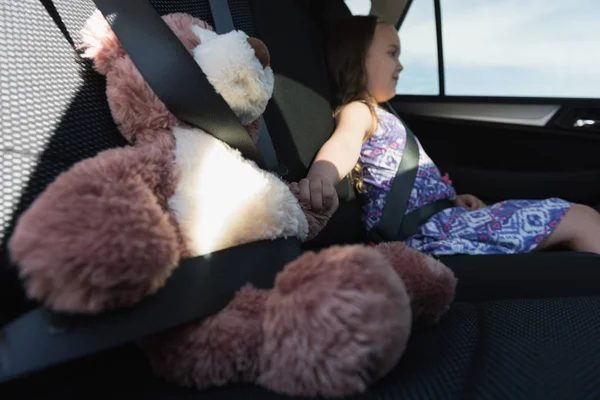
<point x="436" y="298"/>
<point x="316" y="220"/>
<point x="335" y="322"/>
<point x="220" y="350"/>
<point x="430" y="284"/>
<point x="95" y="239"/>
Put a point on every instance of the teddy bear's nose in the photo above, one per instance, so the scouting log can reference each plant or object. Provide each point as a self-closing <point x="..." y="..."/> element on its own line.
<point x="261" y="51"/>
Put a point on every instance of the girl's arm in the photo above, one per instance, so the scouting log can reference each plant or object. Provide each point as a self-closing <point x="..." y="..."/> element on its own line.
<point x="337" y="157"/>
<point x="340" y="153"/>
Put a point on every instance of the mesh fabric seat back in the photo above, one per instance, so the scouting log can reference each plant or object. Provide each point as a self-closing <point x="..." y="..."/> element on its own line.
<point x="54" y="110"/>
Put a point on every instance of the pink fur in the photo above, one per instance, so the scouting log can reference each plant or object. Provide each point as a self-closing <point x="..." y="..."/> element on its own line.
<point x="180" y="24"/>
<point x="100" y="43"/>
<point x="138" y="113"/>
<point x="335" y="322"/>
<point x="431" y="285"/>
<point x="316" y="220"/>
<point x="222" y="349"/>
<point x="99" y="236"/>
<point x="254" y="129"/>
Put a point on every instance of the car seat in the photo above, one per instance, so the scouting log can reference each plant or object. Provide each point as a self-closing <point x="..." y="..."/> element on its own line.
<point x="522" y="326"/>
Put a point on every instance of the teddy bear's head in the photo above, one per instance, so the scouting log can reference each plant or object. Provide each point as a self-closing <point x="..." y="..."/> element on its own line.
<point x="236" y="65"/>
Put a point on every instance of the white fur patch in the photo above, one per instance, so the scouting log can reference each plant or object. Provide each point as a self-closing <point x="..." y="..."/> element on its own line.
<point x="223" y="200"/>
<point x="235" y="72"/>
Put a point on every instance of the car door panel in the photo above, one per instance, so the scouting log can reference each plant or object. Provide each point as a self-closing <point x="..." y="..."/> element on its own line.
<point x="501" y="150"/>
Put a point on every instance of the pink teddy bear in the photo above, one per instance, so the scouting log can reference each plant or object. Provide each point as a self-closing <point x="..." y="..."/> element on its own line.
<point x="335" y="322"/>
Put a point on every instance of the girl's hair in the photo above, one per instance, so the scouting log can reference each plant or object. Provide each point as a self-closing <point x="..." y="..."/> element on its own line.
<point x="347" y="44"/>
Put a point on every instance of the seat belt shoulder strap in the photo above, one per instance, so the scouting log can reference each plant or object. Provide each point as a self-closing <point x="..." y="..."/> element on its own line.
<point x="173" y="74"/>
<point x="396" y="204"/>
<point x="224" y="23"/>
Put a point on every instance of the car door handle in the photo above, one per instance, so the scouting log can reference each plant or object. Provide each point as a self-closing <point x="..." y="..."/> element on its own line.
<point x="586" y="123"/>
<point x="577" y="119"/>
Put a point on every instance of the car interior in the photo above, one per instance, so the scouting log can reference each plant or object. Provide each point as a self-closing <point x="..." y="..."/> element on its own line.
<point x="522" y="326"/>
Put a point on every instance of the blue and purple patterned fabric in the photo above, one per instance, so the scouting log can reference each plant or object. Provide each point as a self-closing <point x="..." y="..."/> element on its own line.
<point x="513" y="226"/>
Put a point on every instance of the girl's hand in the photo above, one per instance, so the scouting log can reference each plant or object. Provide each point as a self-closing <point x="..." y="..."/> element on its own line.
<point x="469" y="201"/>
<point x="316" y="192"/>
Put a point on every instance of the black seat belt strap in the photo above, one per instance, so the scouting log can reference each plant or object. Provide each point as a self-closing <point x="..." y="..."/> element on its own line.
<point x="399" y="195"/>
<point x="265" y="145"/>
<point x="198" y="288"/>
<point x="413" y="220"/>
<point x="394" y="223"/>
<point x="224" y="23"/>
<point x="173" y="75"/>
<point x="221" y="16"/>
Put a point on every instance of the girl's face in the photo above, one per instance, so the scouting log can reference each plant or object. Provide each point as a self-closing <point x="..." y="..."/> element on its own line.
<point x="382" y="63"/>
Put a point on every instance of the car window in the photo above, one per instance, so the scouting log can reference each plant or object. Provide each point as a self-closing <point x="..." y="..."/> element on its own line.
<point x="359" y="7"/>
<point x="539" y="48"/>
<point x="418" y="52"/>
<point x="500" y="48"/>
<point x="419" y="47"/>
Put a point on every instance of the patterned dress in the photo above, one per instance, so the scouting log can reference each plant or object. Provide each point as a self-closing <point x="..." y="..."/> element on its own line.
<point x="513" y="226"/>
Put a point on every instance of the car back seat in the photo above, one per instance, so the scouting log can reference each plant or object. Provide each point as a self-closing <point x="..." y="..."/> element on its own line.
<point x="522" y="327"/>
<point x="300" y="115"/>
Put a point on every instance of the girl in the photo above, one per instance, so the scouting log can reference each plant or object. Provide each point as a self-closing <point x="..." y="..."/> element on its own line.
<point x="368" y="142"/>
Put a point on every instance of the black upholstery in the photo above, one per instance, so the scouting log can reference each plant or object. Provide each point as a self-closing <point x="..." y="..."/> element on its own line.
<point x="522" y="327"/>
<point x="299" y="115"/>
<point x="520" y="348"/>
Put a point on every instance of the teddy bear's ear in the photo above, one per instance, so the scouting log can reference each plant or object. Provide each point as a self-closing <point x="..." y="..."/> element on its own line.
<point x="100" y="43"/>
<point x="204" y="35"/>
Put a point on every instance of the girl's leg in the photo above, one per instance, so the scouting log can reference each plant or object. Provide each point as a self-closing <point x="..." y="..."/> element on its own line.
<point x="579" y="230"/>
